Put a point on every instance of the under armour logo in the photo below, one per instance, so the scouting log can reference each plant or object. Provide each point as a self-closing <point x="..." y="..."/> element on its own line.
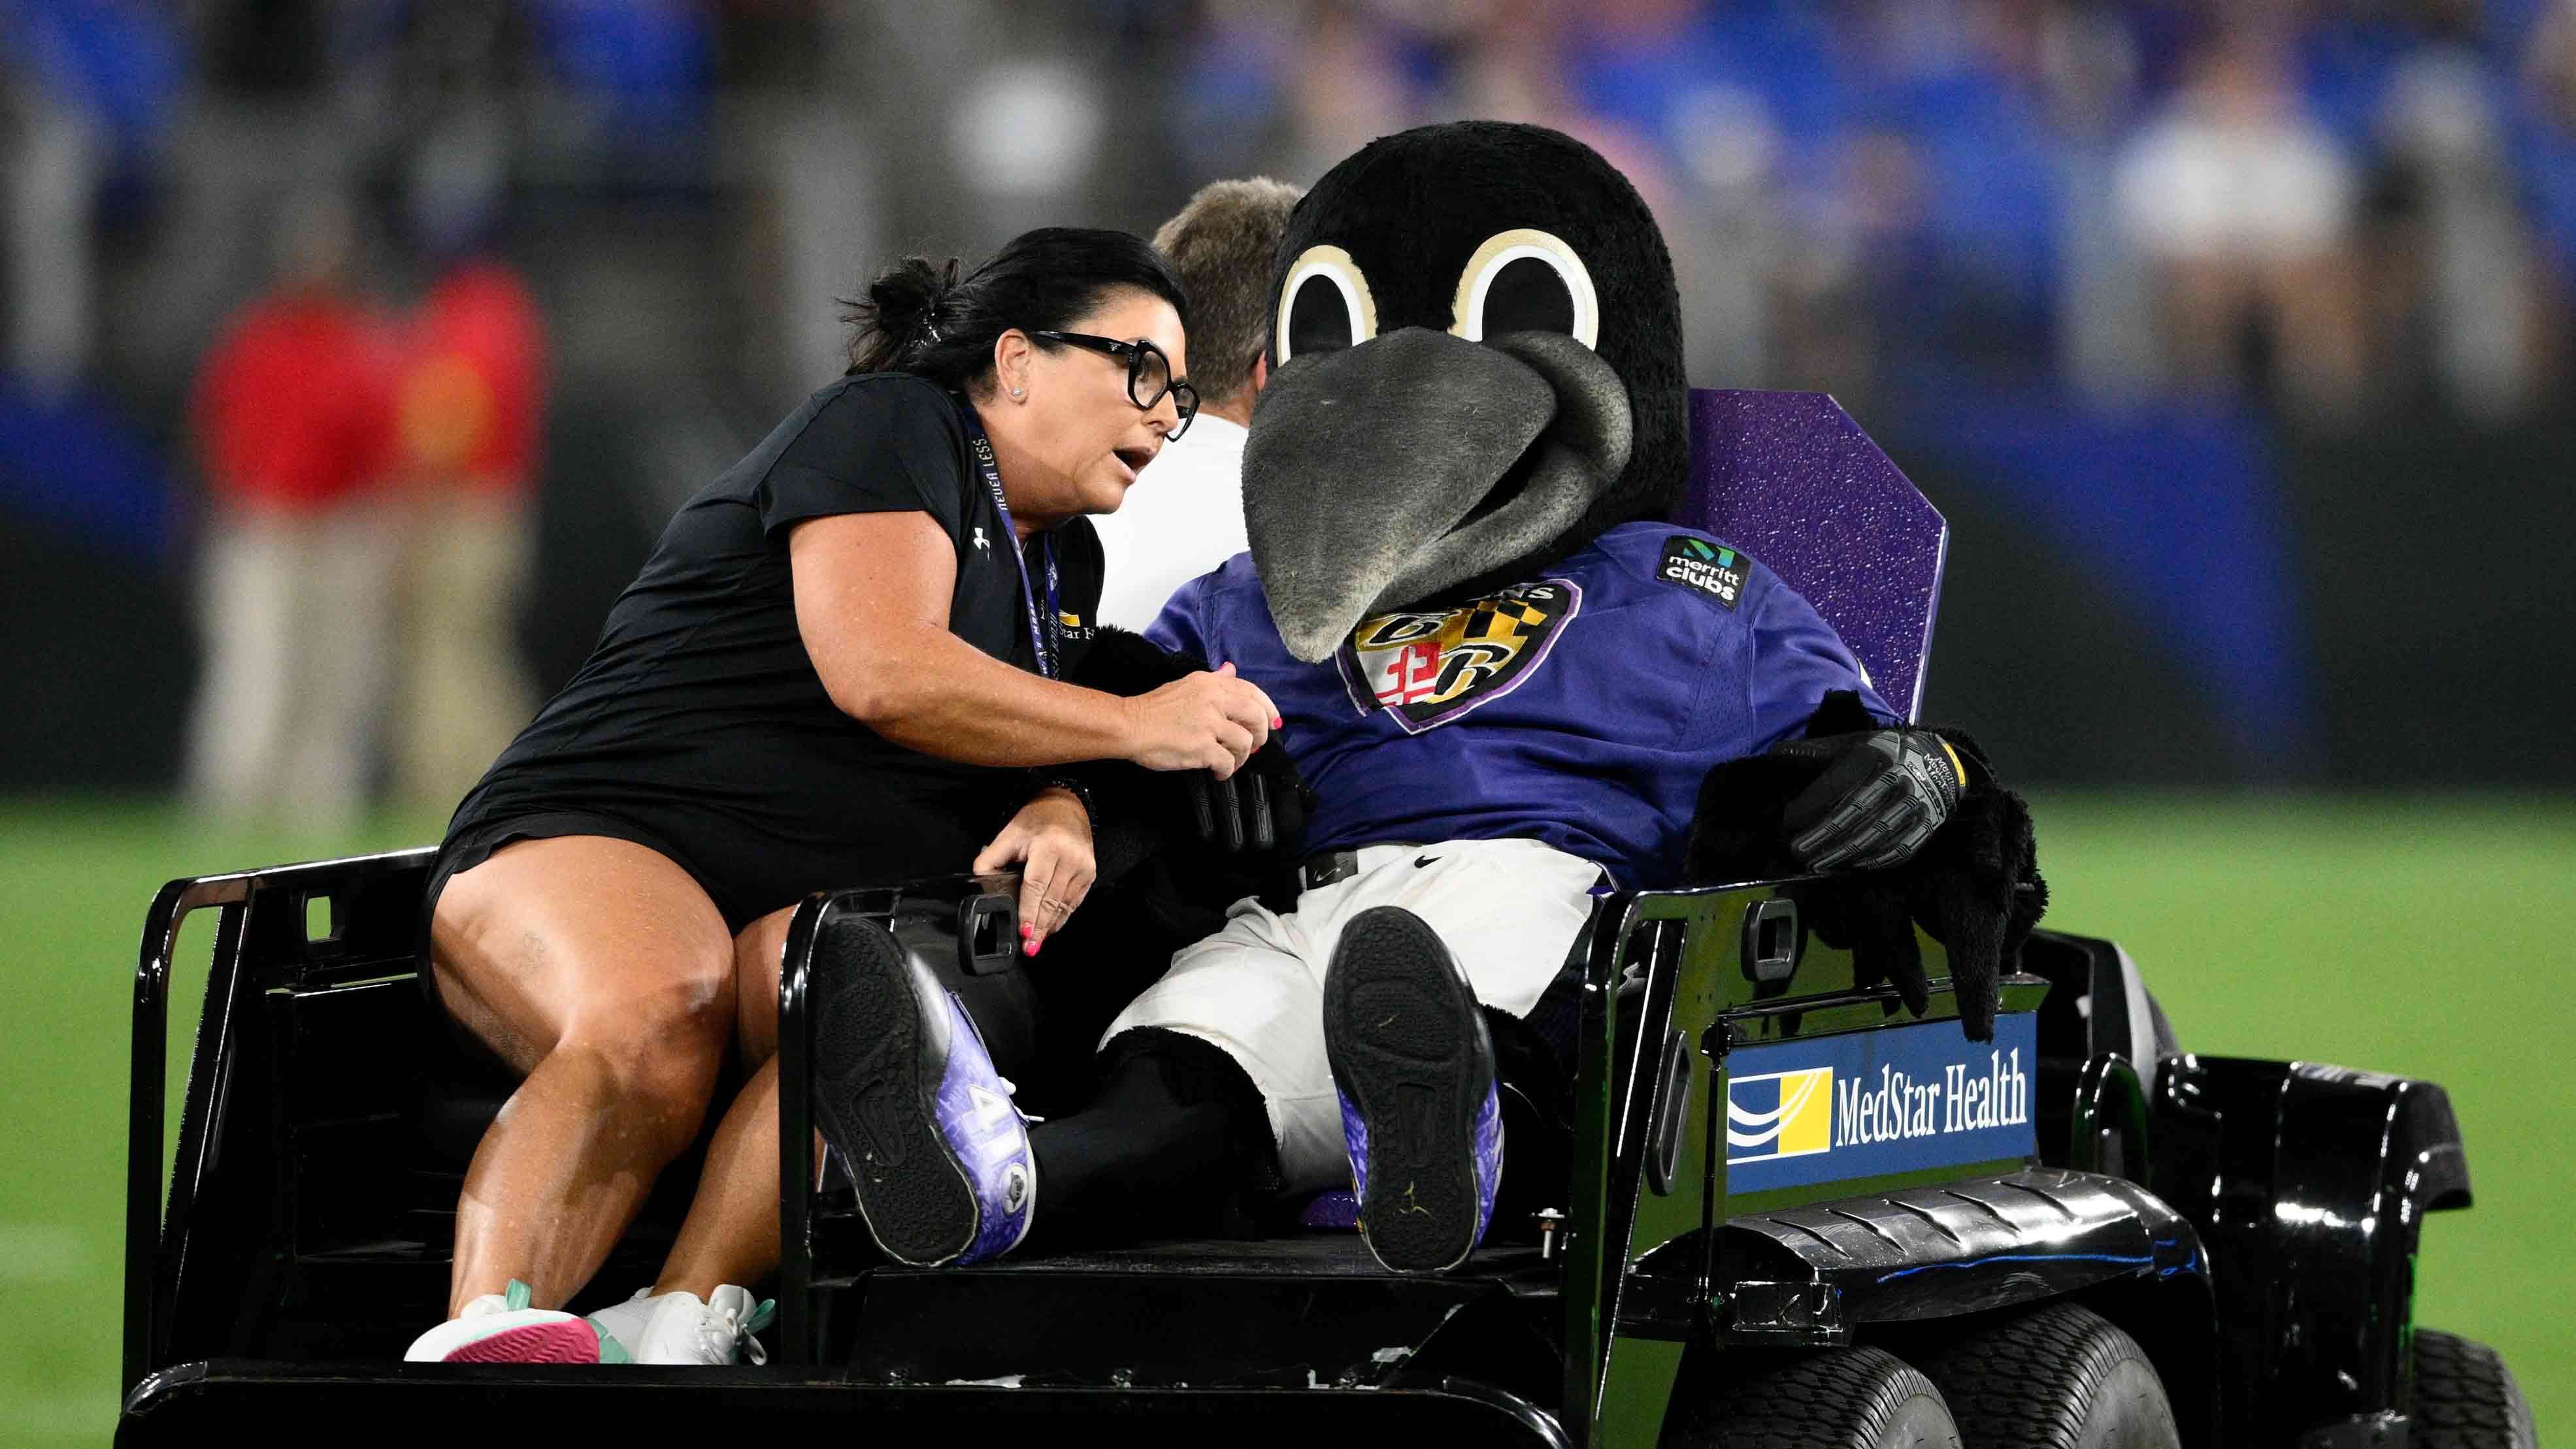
<point x="981" y="541"/>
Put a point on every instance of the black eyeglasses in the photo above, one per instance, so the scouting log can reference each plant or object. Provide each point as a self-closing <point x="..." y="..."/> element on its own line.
<point x="1149" y="373"/>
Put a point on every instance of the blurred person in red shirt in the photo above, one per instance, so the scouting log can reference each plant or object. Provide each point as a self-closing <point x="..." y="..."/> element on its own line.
<point x="292" y="422"/>
<point x="468" y="402"/>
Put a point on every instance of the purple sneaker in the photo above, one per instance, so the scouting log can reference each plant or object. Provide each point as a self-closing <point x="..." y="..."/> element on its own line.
<point x="1415" y="1071"/>
<point x="912" y="1107"/>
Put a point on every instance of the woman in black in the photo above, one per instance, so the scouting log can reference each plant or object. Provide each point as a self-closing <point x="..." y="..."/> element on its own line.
<point x="837" y="668"/>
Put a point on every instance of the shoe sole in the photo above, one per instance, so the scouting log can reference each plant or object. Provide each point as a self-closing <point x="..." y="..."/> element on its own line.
<point x="558" y="1340"/>
<point x="1401" y="1029"/>
<point x="878" y="1097"/>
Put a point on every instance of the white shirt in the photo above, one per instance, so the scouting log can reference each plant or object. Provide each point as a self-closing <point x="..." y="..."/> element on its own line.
<point x="2202" y="187"/>
<point x="1183" y="517"/>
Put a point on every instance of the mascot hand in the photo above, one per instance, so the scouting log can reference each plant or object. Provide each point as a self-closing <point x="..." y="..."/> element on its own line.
<point x="1974" y="887"/>
<point x="1260" y="808"/>
<point x="1881" y="795"/>
<point x="1973" y="883"/>
<point x="1135" y="813"/>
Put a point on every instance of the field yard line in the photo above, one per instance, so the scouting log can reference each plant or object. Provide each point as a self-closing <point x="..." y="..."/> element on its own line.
<point x="43" y="1253"/>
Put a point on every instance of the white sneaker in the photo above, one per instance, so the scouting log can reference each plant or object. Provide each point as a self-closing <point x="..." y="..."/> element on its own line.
<point x="623" y="1323"/>
<point x="502" y="1328"/>
<point x="680" y="1328"/>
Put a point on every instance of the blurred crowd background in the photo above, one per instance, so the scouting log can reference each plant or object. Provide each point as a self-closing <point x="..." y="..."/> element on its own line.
<point x="352" y="351"/>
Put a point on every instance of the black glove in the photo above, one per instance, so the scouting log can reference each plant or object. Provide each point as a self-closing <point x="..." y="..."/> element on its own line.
<point x="1973" y="882"/>
<point x="1260" y="808"/>
<point x="1881" y="795"/>
<point x="1975" y="887"/>
<point x="1136" y="813"/>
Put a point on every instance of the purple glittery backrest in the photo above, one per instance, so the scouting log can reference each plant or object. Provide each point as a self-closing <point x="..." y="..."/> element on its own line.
<point x="1789" y="478"/>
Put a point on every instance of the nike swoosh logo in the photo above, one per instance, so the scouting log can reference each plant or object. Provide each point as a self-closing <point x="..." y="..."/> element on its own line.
<point x="1420" y="861"/>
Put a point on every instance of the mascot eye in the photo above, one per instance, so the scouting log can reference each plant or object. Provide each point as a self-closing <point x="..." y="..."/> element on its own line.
<point x="1526" y="281"/>
<point x="1325" y="306"/>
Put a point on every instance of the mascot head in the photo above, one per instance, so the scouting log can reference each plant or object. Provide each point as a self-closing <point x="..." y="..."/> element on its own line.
<point x="1478" y="369"/>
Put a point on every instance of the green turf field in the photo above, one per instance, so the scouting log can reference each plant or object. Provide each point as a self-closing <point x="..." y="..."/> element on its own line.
<point x="2417" y="936"/>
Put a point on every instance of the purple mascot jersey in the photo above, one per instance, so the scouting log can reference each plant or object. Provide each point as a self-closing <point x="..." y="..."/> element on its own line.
<point x="1581" y="708"/>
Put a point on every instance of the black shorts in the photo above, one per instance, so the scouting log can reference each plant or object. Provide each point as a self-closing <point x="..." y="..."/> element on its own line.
<point x="746" y="871"/>
<point x="741" y="902"/>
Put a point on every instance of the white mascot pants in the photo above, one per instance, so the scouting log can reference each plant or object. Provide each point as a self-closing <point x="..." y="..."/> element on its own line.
<point x="1508" y="909"/>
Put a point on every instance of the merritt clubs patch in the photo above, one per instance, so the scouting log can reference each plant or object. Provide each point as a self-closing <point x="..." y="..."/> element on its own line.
<point x="1712" y="568"/>
<point x="1427" y="669"/>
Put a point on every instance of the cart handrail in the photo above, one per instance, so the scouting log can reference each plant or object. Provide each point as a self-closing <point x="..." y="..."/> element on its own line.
<point x="149" y="1219"/>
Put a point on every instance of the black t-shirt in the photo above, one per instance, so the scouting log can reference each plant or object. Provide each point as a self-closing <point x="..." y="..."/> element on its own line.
<point x="699" y="716"/>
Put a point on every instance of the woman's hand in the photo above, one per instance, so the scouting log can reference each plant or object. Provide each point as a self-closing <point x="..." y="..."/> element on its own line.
<point x="1050" y="840"/>
<point x="1210" y="721"/>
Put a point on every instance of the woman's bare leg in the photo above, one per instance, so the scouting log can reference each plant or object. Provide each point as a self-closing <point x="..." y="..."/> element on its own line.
<point x="603" y="971"/>
<point x="731" y="1235"/>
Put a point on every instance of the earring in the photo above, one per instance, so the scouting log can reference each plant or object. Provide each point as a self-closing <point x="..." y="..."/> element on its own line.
<point x="1019" y="392"/>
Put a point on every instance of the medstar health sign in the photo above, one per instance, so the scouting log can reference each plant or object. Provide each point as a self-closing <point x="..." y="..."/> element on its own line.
<point x="1867" y="1103"/>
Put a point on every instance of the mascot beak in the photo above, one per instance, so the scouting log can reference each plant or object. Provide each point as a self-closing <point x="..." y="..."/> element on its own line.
<point x="1378" y="475"/>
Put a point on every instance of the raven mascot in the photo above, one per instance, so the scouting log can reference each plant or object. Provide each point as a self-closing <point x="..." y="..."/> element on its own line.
<point x="1509" y="687"/>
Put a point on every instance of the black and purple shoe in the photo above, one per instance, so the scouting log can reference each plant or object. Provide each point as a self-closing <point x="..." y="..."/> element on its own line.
<point x="912" y="1108"/>
<point x="1415" y="1071"/>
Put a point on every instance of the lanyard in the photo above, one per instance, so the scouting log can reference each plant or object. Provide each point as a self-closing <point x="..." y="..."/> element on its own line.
<point x="1045" y="631"/>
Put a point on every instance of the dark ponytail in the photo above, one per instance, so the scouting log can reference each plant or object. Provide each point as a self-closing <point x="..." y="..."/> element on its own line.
<point x="926" y="319"/>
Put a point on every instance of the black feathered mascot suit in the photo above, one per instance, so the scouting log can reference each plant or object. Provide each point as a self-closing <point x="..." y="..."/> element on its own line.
<point x="1506" y="698"/>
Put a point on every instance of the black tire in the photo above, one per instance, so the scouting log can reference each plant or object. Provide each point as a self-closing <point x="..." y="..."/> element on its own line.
<point x="2063" y="1377"/>
<point x="1845" y="1398"/>
<point x="2465" y="1398"/>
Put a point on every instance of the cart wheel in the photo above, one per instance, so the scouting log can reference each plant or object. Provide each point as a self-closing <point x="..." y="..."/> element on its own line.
<point x="2465" y="1398"/>
<point x="2061" y="1378"/>
<point x="1847" y="1398"/>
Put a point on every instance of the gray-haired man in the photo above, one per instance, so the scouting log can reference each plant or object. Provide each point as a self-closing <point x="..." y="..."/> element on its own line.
<point x="1185" y="514"/>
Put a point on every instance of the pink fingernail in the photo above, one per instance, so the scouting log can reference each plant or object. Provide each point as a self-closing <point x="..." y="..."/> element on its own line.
<point x="1277" y="723"/>
<point x="1027" y="930"/>
<point x="1028" y="948"/>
